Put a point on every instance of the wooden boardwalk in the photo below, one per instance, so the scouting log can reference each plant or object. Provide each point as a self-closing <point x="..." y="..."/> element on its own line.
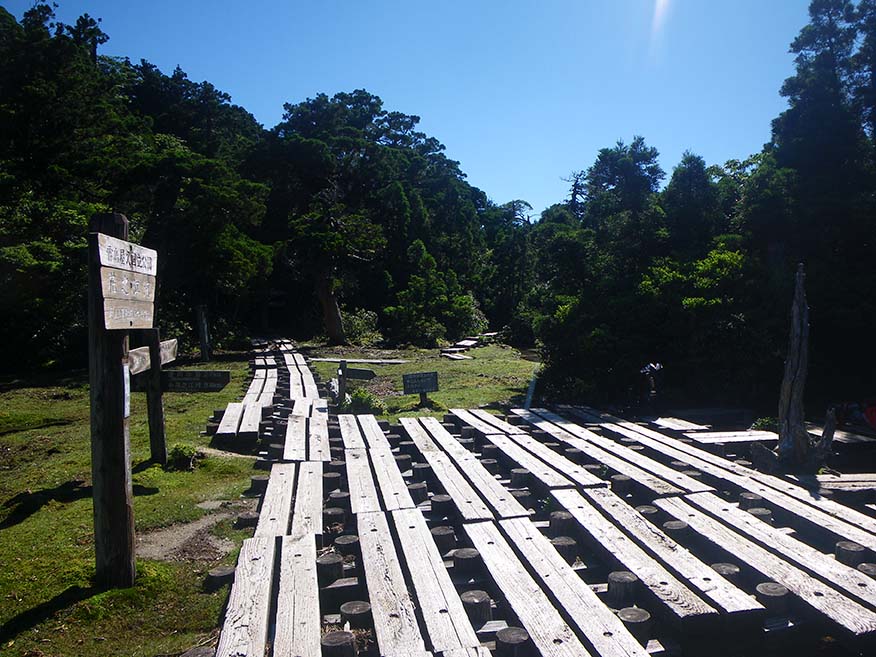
<point x="573" y="531"/>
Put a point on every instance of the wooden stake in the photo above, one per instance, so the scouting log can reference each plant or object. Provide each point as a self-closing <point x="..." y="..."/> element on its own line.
<point x="154" y="401"/>
<point x="110" y="441"/>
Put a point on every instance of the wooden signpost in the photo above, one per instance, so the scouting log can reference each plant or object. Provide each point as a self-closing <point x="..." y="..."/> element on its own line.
<point x="420" y="382"/>
<point x="187" y="381"/>
<point x="121" y="292"/>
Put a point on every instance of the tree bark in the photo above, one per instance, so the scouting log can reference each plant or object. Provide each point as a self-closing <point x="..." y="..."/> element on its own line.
<point x="793" y="438"/>
<point x="331" y="313"/>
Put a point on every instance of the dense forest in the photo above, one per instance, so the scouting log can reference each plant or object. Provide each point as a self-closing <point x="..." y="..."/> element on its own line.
<point x="346" y="221"/>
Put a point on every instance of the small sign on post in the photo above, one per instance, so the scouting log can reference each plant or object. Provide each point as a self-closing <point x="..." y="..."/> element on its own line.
<point x="188" y="381"/>
<point x="420" y="382"/>
<point x="360" y="375"/>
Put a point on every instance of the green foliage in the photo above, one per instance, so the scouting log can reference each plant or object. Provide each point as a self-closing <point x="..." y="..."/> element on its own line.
<point x="361" y="327"/>
<point x="362" y="401"/>
<point x="182" y="457"/>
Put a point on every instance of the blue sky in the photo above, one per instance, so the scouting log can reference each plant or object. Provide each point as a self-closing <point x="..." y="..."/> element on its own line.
<point x="521" y="93"/>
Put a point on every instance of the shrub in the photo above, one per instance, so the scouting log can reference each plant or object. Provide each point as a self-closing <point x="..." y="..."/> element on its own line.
<point x="360" y="326"/>
<point x="182" y="458"/>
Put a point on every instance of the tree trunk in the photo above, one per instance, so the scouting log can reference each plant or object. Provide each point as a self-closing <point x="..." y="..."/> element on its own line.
<point x="793" y="438"/>
<point x="331" y="313"/>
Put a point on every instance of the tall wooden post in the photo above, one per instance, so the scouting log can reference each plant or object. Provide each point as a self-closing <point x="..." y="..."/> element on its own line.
<point x="342" y="383"/>
<point x="793" y="438"/>
<point x="110" y="441"/>
<point x="204" y="333"/>
<point x="154" y="401"/>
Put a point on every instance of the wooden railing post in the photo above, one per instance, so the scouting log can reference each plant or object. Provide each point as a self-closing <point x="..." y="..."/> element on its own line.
<point x="110" y="441"/>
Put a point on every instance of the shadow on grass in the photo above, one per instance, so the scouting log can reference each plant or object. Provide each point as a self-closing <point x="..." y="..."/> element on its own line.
<point x="43" y="612"/>
<point x="27" y="503"/>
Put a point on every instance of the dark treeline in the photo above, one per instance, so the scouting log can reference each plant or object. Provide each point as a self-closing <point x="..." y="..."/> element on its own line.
<point x="346" y="220"/>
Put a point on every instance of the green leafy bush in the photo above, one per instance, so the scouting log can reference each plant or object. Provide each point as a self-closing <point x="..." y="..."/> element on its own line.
<point x="362" y="401"/>
<point x="360" y="326"/>
<point x="182" y="457"/>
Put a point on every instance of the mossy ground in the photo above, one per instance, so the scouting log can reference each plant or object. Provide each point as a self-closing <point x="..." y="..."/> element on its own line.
<point x="48" y="606"/>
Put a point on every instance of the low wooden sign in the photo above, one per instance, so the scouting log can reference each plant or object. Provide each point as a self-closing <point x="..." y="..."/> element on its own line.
<point x="120" y="254"/>
<point x="360" y="374"/>
<point x="187" y="381"/>
<point x="420" y="382"/>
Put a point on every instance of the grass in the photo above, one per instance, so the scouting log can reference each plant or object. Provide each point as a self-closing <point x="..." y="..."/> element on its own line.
<point x="497" y="373"/>
<point x="47" y="604"/>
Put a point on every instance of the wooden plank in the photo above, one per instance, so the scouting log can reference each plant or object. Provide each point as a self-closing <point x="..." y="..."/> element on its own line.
<point x="643" y="469"/>
<point x="307" y="513"/>
<point x="468" y="344"/>
<point x="392" y="609"/>
<point x="127" y="314"/>
<point x="467" y="502"/>
<point x="499" y="498"/>
<point x="298" y="614"/>
<point x="363" y="361"/>
<point x="494" y="421"/>
<point x="447" y="624"/>
<point x="276" y="507"/>
<point x="230" y="420"/>
<point x="393" y="489"/>
<point x="480" y="425"/>
<point x="858" y="437"/>
<point x="851" y="581"/>
<point x="603" y="631"/>
<point x="318" y="439"/>
<point x="418" y="435"/>
<point x="677" y="424"/>
<point x="700" y="576"/>
<point x="734" y="437"/>
<point x="681" y="606"/>
<point x="847" y="614"/>
<point x="545" y="474"/>
<point x="121" y="284"/>
<point x="295" y="444"/>
<point x="121" y="254"/>
<point x="549" y="633"/>
<point x="350" y="432"/>
<point x="245" y="629"/>
<point x="249" y="422"/>
<point x="373" y="433"/>
<point x="139" y="360"/>
<point x="363" y="492"/>
<point x="457" y="357"/>
<point x="560" y="463"/>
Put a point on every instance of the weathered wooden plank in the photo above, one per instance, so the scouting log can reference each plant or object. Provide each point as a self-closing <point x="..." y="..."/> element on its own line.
<point x="362" y="361"/>
<point x="499" y="498"/>
<point x="549" y="633"/>
<point x="230" y="420"/>
<point x="121" y="254"/>
<point x="681" y="606"/>
<point x="363" y="492"/>
<point x="276" y="508"/>
<point x="847" y="614"/>
<point x="120" y="284"/>
<point x="418" y="435"/>
<point x="295" y="444"/>
<point x="457" y="357"/>
<point x="447" y="624"/>
<point x="643" y="469"/>
<point x="700" y="576"/>
<point x="249" y="422"/>
<point x="560" y="463"/>
<point x="851" y="581"/>
<point x="139" y="360"/>
<point x="298" y="614"/>
<point x="307" y="513"/>
<point x="545" y="474"/>
<point x="467" y="502"/>
<point x="245" y="629"/>
<point x="472" y="420"/>
<point x="350" y="432"/>
<point x="494" y="421"/>
<point x="318" y="439"/>
<point x="677" y="424"/>
<point x="373" y="433"/>
<point x="393" y="489"/>
<point x="127" y="314"/>
<point x="395" y="623"/>
<point x="603" y="631"/>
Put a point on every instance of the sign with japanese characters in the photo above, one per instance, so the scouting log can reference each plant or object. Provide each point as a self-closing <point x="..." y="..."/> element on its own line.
<point x="127" y="281"/>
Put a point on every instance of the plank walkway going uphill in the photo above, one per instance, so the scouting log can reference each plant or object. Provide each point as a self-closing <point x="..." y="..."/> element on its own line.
<point x="573" y="532"/>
